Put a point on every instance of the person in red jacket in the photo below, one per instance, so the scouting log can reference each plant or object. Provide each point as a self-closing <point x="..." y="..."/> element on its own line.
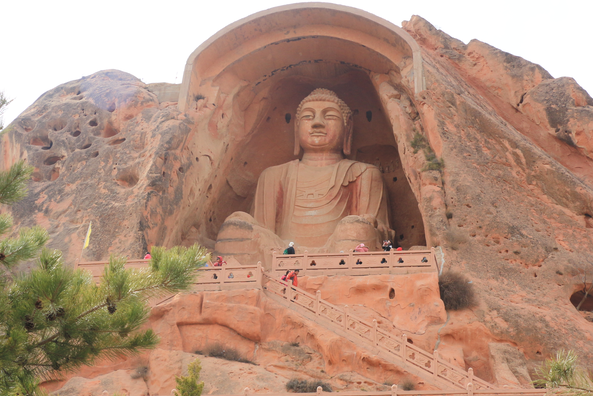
<point x="293" y="276"/>
<point x="219" y="262"/>
<point x="147" y="256"/>
<point x="361" y="248"/>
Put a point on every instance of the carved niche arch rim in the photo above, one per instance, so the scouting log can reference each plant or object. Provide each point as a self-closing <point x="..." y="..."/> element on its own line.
<point x="208" y="49"/>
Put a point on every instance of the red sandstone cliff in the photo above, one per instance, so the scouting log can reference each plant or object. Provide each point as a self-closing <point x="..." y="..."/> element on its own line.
<point x="512" y="207"/>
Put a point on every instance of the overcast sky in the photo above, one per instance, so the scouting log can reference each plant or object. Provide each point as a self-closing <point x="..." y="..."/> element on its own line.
<point x="47" y="43"/>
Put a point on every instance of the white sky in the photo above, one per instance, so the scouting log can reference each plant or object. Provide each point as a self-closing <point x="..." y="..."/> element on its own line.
<point x="49" y="42"/>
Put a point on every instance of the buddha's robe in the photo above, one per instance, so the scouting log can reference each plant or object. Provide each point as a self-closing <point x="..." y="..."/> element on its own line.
<point x="304" y="204"/>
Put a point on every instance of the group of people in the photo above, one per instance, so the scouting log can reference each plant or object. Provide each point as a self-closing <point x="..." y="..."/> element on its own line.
<point x="291" y="276"/>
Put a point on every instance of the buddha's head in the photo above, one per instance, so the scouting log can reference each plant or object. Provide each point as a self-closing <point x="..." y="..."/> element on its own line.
<point x="323" y="123"/>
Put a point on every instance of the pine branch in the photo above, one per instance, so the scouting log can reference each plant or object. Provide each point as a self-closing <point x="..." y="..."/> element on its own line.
<point x="13" y="183"/>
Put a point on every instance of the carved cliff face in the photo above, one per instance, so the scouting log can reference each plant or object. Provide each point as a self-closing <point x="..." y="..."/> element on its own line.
<point x="321" y="128"/>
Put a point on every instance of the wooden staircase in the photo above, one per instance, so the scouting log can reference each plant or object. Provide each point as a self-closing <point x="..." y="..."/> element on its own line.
<point x="381" y="343"/>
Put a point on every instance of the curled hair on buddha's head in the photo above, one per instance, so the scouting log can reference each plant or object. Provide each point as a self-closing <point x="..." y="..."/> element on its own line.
<point x="325" y="95"/>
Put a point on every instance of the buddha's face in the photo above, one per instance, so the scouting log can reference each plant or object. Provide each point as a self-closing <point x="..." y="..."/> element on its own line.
<point x="321" y="127"/>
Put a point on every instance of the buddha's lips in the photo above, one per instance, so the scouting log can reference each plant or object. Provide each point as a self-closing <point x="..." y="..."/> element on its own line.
<point x="318" y="133"/>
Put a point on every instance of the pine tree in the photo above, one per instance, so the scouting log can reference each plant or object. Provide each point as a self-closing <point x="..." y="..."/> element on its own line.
<point x="55" y="318"/>
<point x="564" y="376"/>
<point x="188" y="385"/>
<point x="3" y="103"/>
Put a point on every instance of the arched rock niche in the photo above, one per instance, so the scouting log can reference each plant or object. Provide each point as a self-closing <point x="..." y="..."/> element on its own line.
<point x="243" y="86"/>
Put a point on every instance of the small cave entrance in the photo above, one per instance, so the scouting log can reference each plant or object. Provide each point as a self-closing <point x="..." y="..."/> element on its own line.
<point x="582" y="300"/>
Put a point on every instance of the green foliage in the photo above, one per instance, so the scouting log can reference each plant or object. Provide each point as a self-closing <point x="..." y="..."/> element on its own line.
<point x="3" y="103"/>
<point x="57" y="318"/>
<point x="456" y="292"/>
<point x="563" y="375"/>
<point x="418" y="143"/>
<point x="188" y="385"/>
<point x="221" y="352"/>
<point x="304" y="386"/>
<point x="13" y="183"/>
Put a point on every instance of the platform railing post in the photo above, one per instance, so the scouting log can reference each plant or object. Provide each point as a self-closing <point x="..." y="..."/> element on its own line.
<point x="470" y="389"/>
<point x="394" y="390"/>
<point x="305" y="263"/>
<point x="317" y="298"/>
<point x="435" y="364"/>
<point x="374" y="332"/>
<point x="470" y="376"/>
<point x="259" y="275"/>
<point x="404" y="347"/>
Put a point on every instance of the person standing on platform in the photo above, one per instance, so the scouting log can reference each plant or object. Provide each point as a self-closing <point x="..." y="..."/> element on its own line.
<point x="289" y="249"/>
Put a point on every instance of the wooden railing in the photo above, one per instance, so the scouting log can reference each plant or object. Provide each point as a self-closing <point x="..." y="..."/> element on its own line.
<point x="210" y="278"/>
<point x="419" y="362"/>
<point x="354" y="263"/>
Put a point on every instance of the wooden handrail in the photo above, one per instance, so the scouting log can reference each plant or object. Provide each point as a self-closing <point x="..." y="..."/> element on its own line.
<point x="358" y="329"/>
<point x="219" y="277"/>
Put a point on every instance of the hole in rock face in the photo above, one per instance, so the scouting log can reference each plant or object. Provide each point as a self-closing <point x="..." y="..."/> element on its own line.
<point x="391" y="293"/>
<point x="127" y="178"/>
<point x="36" y="177"/>
<point x="93" y="122"/>
<point x="109" y="131"/>
<point x="395" y="179"/>
<point x="588" y="221"/>
<point x="410" y="341"/>
<point x="369" y="115"/>
<point x="55" y="173"/>
<point x="287" y="118"/>
<point x="117" y="141"/>
<point x="57" y="125"/>
<point x="401" y="237"/>
<point x="578" y="297"/>
<point x="27" y="124"/>
<point x="111" y="108"/>
<point x="48" y="147"/>
<point x="181" y="170"/>
<point x="86" y="146"/>
<point x="75" y="133"/>
<point x="37" y="141"/>
<point x="52" y="160"/>
<point x="95" y="154"/>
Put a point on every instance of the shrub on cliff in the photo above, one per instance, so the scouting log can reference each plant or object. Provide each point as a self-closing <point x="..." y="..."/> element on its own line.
<point x="188" y="385"/>
<point x="227" y="353"/>
<point x="456" y="292"/>
<point x="55" y="318"/>
<point x="304" y="386"/>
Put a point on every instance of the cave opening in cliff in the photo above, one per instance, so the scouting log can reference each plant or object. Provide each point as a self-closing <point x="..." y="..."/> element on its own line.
<point x="582" y="299"/>
<point x="270" y="141"/>
<point x="254" y="75"/>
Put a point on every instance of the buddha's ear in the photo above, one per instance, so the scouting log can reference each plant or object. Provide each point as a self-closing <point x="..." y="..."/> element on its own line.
<point x="297" y="146"/>
<point x="348" y="136"/>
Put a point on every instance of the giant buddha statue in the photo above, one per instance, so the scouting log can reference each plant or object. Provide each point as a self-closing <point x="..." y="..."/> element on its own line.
<point x="322" y="202"/>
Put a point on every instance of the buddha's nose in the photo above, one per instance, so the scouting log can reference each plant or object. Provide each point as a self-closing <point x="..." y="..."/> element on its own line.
<point x="318" y="121"/>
